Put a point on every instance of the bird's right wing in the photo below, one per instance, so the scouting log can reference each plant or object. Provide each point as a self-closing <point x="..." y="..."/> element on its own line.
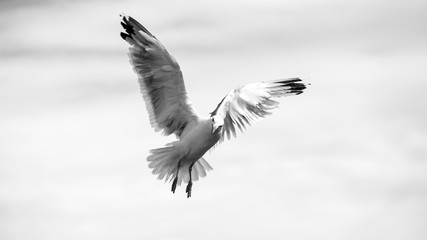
<point x="245" y="104"/>
<point x="160" y="80"/>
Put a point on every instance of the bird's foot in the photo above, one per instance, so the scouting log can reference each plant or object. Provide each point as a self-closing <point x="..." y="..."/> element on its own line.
<point x="174" y="185"/>
<point x="188" y="189"/>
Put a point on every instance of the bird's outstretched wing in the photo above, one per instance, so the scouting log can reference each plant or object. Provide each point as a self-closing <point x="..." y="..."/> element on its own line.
<point x="160" y="79"/>
<point x="245" y="104"/>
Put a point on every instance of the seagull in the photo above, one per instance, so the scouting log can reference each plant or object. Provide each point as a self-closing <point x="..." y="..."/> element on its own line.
<point x="169" y="109"/>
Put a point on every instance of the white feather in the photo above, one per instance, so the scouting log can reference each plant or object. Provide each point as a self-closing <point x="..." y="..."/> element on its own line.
<point x="250" y="102"/>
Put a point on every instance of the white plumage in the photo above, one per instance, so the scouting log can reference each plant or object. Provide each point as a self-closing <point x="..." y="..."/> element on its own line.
<point x="163" y="90"/>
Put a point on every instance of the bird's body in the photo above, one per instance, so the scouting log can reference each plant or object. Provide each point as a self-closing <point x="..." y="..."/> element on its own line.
<point x="197" y="142"/>
<point x="169" y="109"/>
<point x="201" y="139"/>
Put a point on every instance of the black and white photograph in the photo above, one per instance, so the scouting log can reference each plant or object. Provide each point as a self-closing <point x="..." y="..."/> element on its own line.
<point x="170" y="120"/>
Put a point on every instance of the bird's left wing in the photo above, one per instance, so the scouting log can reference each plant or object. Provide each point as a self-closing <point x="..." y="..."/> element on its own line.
<point x="245" y="104"/>
<point x="160" y="80"/>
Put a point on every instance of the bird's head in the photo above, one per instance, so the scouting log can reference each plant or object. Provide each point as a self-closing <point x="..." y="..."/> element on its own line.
<point x="217" y="123"/>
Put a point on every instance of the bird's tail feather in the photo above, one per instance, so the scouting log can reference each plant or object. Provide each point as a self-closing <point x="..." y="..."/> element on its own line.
<point x="200" y="169"/>
<point x="164" y="162"/>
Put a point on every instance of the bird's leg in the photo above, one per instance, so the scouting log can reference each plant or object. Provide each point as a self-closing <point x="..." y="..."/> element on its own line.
<point x="190" y="182"/>
<point x="175" y="181"/>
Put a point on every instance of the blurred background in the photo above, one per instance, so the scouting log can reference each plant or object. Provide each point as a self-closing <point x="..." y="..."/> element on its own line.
<point x="344" y="160"/>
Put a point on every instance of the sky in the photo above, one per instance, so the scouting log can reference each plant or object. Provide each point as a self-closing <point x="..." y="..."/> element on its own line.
<point x="344" y="160"/>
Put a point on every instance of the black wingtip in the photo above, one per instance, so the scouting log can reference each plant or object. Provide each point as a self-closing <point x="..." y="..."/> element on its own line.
<point x="128" y="28"/>
<point x="290" y="80"/>
<point x="295" y="84"/>
<point x="124" y="35"/>
<point x="124" y="17"/>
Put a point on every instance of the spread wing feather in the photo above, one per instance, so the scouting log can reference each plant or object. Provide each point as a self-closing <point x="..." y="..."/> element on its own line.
<point x="160" y="79"/>
<point x="243" y="105"/>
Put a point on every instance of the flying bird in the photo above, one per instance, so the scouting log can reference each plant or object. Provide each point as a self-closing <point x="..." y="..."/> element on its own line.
<point x="163" y="89"/>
